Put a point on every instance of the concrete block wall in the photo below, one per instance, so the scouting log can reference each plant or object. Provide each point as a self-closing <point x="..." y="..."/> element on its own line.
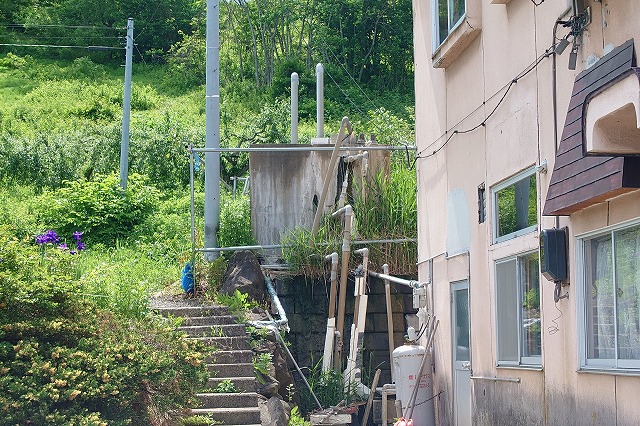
<point x="306" y="303"/>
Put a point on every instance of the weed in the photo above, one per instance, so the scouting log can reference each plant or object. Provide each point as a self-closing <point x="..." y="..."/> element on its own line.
<point x="226" y="386"/>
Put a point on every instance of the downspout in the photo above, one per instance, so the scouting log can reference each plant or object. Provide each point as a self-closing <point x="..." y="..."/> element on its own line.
<point x="344" y="272"/>
<point x="331" y="321"/>
<point x="294" y="107"/>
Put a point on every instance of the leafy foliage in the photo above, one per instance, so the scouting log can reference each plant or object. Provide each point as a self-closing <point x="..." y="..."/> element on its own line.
<point x="65" y="361"/>
<point x="100" y="208"/>
<point x="235" y="222"/>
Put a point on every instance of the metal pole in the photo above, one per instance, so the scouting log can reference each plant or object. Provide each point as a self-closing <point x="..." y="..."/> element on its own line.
<point x="319" y="100"/>
<point x="387" y="298"/>
<point x="212" y="138"/>
<point x="193" y="212"/>
<point x="294" y="107"/>
<point x="126" y="107"/>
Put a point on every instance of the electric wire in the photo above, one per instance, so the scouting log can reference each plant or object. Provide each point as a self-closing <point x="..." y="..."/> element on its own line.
<point x="63" y="46"/>
<point x="548" y="52"/>
<point x="91" y="27"/>
<point x="553" y="329"/>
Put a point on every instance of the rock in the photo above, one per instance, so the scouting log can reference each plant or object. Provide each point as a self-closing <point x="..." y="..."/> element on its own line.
<point x="275" y="412"/>
<point x="245" y="275"/>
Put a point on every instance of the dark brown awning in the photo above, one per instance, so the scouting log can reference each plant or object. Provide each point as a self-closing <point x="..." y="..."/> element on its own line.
<point x="580" y="180"/>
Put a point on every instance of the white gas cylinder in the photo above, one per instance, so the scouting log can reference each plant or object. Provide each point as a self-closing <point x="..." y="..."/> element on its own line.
<point x="406" y="364"/>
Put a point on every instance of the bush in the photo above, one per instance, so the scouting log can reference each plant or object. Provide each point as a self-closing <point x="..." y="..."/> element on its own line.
<point x="100" y="208"/>
<point x="235" y="222"/>
<point x="64" y="361"/>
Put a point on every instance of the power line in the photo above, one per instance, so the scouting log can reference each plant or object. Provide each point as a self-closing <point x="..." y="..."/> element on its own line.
<point x="92" y="27"/>
<point x="508" y="86"/>
<point x="63" y="46"/>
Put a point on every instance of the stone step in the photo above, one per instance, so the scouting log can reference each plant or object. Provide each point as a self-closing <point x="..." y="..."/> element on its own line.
<point x="209" y="320"/>
<point x="228" y="330"/>
<point x="227" y="400"/>
<point x="231" y="370"/>
<point x="242" y="384"/>
<point x="230" y="357"/>
<point x="231" y="416"/>
<point x="226" y="343"/>
<point x="194" y="311"/>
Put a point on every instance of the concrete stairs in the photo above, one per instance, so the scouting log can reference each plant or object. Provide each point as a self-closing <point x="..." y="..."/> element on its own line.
<point x="233" y="360"/>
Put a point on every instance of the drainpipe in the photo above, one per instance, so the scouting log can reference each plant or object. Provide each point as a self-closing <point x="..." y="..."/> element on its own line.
<point x="343" y="192"/>
<point x="331" y="321"/>
<point x="294" y="107"/>
<point x="344" y="272"/>
<point x="387" y="298"/>
<point x="353" y="372"/>
<point x="554" y="92"/>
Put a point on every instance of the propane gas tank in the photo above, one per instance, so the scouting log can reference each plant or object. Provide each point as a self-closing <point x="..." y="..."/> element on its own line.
<point x="406" y="364"/>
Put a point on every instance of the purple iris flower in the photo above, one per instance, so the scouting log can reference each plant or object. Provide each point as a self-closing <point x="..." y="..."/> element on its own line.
<point x="48" y="237"/>
<point x="80" y="246"/>
<point x="77" y="235"/>
<point x="63" y="246"/>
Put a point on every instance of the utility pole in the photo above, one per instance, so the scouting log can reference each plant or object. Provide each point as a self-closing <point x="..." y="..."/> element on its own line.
<point x="126" y="107"/>
<point x="212" y="137"/>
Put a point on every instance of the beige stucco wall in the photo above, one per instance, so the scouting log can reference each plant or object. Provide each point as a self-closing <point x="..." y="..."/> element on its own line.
<point x="518" y="135"/>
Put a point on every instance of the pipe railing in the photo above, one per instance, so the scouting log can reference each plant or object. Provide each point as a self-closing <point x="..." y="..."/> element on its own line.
<point x="305" y="147"/>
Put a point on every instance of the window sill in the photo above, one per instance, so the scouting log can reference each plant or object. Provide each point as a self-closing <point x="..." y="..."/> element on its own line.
<point x="460" y="37"/>
<point x="520" y="367"/>
<point x="609" y="372"/>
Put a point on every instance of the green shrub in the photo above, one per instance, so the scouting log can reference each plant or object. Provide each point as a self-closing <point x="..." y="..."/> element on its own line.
<point x="100" y="208"/>
<point x="65" y="361"/>
<point x="235" y="222"/>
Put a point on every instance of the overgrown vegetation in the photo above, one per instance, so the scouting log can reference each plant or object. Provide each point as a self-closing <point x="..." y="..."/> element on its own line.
<point x="66" y="361"/>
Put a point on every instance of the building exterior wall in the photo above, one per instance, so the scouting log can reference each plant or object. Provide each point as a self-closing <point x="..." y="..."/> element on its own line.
<point x="517" y="135"/>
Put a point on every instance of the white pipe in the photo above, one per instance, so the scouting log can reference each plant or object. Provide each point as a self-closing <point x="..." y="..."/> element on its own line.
<point x="410" y="283"/>
<point x="126" y="107"/>
<point x="496" y="379"/>
<point x="279" y="246"/>
<point x="294" y="107"/>
<point x="334" y="282"/>
<point x="319" y="100"/>
<point x="344" y="272"/>
<point x="343" y="192"/>
<point x="212" y="122"/>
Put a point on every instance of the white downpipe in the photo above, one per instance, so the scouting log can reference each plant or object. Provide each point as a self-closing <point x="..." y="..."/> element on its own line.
<point x="343" y="192"/>
<point x="347" y="211"/>
<point x="331" y="321"/>
<point x="387" y="298"/>
<point x="353" y="372"/>
<point x="294" y="107"/>
<point x="212" y="121"/>
<point x="319" y="101"/>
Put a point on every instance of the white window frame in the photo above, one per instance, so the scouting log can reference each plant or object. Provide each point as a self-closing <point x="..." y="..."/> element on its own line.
<point x="531" y="171"/>
<point x="614" y="365"/>
<point x="522" y="361"/>
<point x="436" y="25"/>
